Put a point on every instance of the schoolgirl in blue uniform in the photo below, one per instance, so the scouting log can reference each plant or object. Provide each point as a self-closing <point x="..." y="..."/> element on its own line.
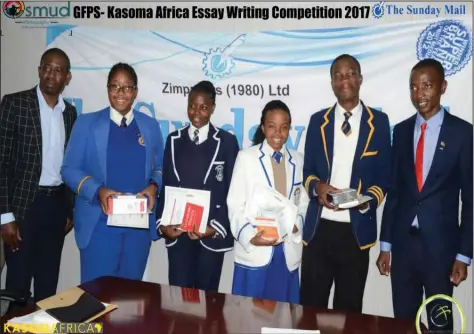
<point x="114" y="150"/>
<point x="199" y="156"/>
<point x="265" y="268"/>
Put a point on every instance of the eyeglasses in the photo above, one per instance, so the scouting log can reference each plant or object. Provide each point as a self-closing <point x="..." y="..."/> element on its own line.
<point x="117" y="88"/>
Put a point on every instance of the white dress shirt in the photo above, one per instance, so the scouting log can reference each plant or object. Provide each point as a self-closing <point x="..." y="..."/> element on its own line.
<point x="343" y="157"/>
<point x="116" y="117"/>
<point x="53" y="137"/>
<point x="203" y="133"/>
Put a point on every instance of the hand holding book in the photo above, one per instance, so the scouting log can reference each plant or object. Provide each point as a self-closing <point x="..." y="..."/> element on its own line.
<point x="269" y="211"/>
<point x="196" y="235"/>
<point x="187" y="210"/>
<point x="170" y="231"/>
<point x="262" y="239"/>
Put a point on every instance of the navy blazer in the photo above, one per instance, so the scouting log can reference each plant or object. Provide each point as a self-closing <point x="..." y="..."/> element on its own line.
<point x="221" y="155"/>
<point x="437" y="205"/>
<point x="370" y="170"/>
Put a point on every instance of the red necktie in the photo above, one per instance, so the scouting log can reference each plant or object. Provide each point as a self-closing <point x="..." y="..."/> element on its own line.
<point x="419" y="157"/>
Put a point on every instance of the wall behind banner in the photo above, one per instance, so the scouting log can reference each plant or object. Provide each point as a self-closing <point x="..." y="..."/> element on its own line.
<point x="292" y="65"/>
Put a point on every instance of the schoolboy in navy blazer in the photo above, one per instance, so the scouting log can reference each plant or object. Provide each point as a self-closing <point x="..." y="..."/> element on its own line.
<point x="370" y="171"/>
<point x="347" y="146"/>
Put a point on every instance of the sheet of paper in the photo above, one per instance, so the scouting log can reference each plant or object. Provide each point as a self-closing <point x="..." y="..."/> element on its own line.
<point x="129" y="220"/>
<point x="267" y="203"/>
<point x="268" y="330"/>
<point x="188" y="208"/>
<point x="352" y="204"/>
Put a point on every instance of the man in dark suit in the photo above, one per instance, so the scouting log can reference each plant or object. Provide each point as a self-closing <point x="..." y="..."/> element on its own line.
<point x="347" y="146"/>
<point x="432" y="165"/>
<point x="35" y="206"/>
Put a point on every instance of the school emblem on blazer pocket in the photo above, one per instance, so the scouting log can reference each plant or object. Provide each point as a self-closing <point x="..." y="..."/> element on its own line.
<point x="140" y="140"/>
<point x="297" y="196"/>
<point x="219" y="173"/>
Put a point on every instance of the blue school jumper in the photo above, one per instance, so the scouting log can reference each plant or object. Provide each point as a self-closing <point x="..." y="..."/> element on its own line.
<point x="273" y="281"/>
<point x="120" y="251"/>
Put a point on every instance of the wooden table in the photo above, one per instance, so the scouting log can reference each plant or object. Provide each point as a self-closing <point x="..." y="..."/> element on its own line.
<point x="156" y="308"/>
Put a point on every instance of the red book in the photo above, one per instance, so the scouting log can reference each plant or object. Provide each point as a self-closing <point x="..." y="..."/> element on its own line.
<point x="190" y="295"/>
<point x="192" y="217"/>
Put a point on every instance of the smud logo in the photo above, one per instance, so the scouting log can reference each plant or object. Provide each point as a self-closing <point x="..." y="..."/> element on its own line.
<point x="440" y="312"/>
<point x="18" y="9"/>
<point x="13" y="9"/>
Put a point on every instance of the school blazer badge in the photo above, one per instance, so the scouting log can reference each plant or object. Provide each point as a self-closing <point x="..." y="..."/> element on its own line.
<point x="297" y="196"/>
<point x="219" y="172"/>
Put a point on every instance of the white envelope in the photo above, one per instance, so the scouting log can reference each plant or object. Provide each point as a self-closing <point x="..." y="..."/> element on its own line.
<point x="265" y="202"/>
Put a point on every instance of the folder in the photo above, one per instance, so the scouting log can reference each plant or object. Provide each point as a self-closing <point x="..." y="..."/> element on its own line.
<point x="75" y="306"/>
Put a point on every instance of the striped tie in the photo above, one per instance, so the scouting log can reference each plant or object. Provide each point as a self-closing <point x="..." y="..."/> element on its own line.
<point x="277" y="156"/>
<point x="196" y="137"/>
<point x="346" y="127"/>
<point x="123" y="124"/>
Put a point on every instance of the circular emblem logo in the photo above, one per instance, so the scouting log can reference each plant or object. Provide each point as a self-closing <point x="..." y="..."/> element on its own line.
<point x="13" y="9"/>
<point x="140" y="140"/>
<point x="378" y="10"/>
<point x="449" y="42"/>
<point x="440" y="313"/>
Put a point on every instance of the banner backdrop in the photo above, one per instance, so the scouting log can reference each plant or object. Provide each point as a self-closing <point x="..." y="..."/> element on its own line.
<point x="251" y="69"/>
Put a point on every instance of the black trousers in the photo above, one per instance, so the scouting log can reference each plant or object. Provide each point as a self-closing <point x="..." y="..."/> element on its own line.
<point x="334" y="256"/>
<point x="413" y="272"/>
<point x="39" y="255"/>
<point x="191" y="265"/>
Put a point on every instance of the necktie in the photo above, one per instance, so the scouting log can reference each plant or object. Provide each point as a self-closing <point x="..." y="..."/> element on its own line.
<point x="196" y="137"/>
<point x="346" y="127"/>
<point x="419" y="157"/>
<point x="277" y="156"/>
<point x="123" y="123"/>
